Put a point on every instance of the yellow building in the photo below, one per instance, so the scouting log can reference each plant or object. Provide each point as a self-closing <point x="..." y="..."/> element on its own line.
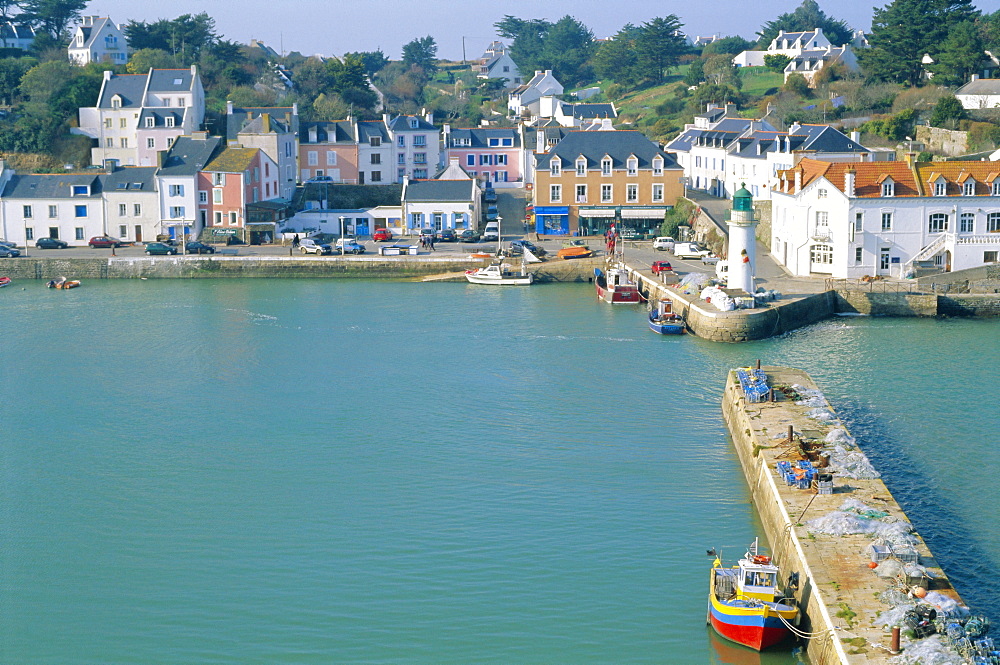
<point x="591" y="180"/>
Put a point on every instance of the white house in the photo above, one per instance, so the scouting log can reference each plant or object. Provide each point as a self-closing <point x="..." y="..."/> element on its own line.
<point x="98" y="39"/>
<point x="979" y="93"/>
<point x="810" y="62"/>
<point x="416" y="144"/>
<point x="16" y="35"/>
<point x="441" y="204"/>
<point x="177" y="183"/>
<point x="790" y="44"/>
<point x="139" y="115"/>
<point x="882" y="218"/>
<point x="540" y="85"/>
<point x="496" y="63"/>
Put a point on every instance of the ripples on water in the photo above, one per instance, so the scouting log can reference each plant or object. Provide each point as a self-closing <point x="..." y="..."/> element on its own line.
<point x="305" y="471"/>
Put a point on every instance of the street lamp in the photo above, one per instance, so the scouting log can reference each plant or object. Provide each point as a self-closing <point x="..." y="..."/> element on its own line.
<point x="342" y="248"/>
<point x="499" y="235"/>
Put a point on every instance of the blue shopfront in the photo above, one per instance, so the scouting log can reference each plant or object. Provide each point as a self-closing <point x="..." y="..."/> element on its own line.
<point x="552" y="220"/>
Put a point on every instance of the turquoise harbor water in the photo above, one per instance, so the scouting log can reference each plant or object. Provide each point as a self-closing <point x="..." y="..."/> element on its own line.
<point x="335" y="471"/>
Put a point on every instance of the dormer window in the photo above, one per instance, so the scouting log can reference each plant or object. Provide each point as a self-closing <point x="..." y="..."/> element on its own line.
<point x="995" y="188"/>
<point x="116" y="102"/>
<point x="581" y="166"/>
<point x="606" y="166"/>
<point x="658" y="166"/>
<point x="555" y="166"/>
<point x="969" y="187"/>
<point x="632" y="165"/>
<point x="81" y="190"/>
<point x="888" y="188"/>
<point x="170" y="121"/>
<point x="940" y="188"/>
<point x="150" y="122"/>
<point x="414" y="123"/>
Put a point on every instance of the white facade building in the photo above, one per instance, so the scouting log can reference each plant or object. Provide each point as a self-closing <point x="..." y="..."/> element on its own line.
<point x="98" y="39"/>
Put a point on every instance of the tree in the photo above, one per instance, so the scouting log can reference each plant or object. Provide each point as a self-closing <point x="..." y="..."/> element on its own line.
<point x="696" y="73"/>
<point x="616" y="58"/>
<point x="52" y="16"/>
<point x="947" y="112"/>
<point x="720" y="70"/>
<point x="808" y="16"/>
<point x="960" y="55"/>
<point x="904" y="30"/>
<point x="568" y="48"/>
<point x="12" y="70"/>
<point x="776" y="62"/>
<point x="659" y="46"/>
<point x="797" y="84"/>
<point x="143" y="60"/>
<point x="185" y="37"/>
<point x="372" y="61"/>
<point x="730" y="45"/>
<point x="528" y="40"/>
<point x="421" y="52"/>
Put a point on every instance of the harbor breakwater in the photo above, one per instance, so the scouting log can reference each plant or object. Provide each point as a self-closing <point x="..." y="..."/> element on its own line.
<point x="825" y="540"/>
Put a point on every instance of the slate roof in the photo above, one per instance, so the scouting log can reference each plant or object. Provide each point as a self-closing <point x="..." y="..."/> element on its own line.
<point x="980" y="87"/>
<point x="619" y="145"/>
<point x="170" y="80"/>
<point x="340" y="131"/>
<point x="160" y="114"/>
<point x="593" y="110"/>
<point x="370" y="128"/>
<point x="243" y="119"/>
<point x="479" y="137"/>
<point x="130" y="179"/>
<point x="11" y="30"/>
<point x="188" y="156"/>
<point x="814" y="138"/>
<point x="131" y="88"/>
<point x="51" y="186"/>
<point x="90" y="32"/>
<point x="232" y="160"/>
<point x="402" y="124"/>
<point x="439" y="190"/>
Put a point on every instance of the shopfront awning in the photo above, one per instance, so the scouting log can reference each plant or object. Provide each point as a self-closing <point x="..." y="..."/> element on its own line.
<point x="551" y="210"/>
<point x="644" y="213"/>
<point x="597" y="212"/>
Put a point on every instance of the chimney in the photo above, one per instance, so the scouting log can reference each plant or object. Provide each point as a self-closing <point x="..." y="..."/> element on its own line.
<point x="794" y="128"/>
<point x="429" y="117"/>
<point x="856" y="136"/>
<point x="194" y="70"/>
<point x="910" y="159"/>
<point x="849" y="182"/>
<point x="731" y="110"/>
<point x="161" y="158"/>
<point x="385" y="119"/>
<point x="229" y="108"/>
<point x="199" y="135"/>
<point x="453" y="161"/>
<point x="798" y="180"/>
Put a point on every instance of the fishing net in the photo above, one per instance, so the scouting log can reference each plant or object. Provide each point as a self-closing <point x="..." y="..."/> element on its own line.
<point x="809" y="397"/>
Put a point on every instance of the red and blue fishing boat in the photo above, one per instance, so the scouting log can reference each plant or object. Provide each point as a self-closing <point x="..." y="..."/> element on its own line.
<point x="664" y="321"/>
<point x="745" y="605"/>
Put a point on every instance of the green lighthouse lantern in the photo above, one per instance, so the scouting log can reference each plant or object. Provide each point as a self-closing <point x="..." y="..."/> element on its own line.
<point x="743" y="200"/>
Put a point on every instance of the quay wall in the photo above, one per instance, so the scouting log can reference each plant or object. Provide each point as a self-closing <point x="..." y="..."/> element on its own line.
<point x="837" y="591"/>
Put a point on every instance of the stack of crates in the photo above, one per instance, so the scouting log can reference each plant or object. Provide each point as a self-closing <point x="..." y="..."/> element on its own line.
<point x="824" y="483"/>
<point x="754" y="384"/>
<point x="797" y="474"/>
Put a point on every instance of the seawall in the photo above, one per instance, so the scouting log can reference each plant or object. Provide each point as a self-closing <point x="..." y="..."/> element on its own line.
<point x="837" y="590"/>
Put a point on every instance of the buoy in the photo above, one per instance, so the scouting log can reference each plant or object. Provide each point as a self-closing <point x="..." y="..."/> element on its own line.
<point x="873" y="565"/>
<point x="919" y="591"/>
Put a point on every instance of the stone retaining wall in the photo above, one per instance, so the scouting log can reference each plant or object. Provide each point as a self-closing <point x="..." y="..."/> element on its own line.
<point x="969" y="305"/>
<point x="885" y="304"/>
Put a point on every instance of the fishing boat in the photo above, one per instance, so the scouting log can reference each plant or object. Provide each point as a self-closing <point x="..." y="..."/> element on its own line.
<point x="500" y="274"/>
<point x="575" y="252"/>
<point x="663" y="319"/>
<point x="745" y="605"/>
<point x="62" y="283"/>
<point x="4" y="281"/>
<point x="616" y="286"/>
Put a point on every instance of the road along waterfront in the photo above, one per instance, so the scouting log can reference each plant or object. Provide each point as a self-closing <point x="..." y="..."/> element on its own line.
<point x="237" y="470"/>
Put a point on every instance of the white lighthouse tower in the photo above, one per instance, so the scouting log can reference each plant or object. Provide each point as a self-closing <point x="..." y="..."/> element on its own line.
<point x="742" y="257"/>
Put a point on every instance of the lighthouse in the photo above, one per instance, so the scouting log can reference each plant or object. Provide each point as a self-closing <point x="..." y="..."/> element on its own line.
<point x="742" y="257"/>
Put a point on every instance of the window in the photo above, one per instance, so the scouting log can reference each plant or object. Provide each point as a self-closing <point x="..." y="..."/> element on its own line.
<point x="657" y="193"/>
<point x="969" y="187"/>
<point x="887" y="221"/>
<point x="170" y="121"/>
<point x="176" y="190"/>
<point x="218" y="179"/>
<point x="821" y="254"/>
<point x="109" y="143"/>
<point x="420" y="158"/>
<point x="658" y="166"/>
<point x="331" y="158"/>
<point x="116" y="102"/>
<point x="966" y="222"/>
<point x="217" y="195"/>
<point x="501" y="159"/>
<point x="821" y="193"/>
<point x="124" y="142"/>
<point x="414" y="123"/>
<point x="470" y="160"/>
<point x="81" y="190"/>
<point x="176" y="212"/>
<point x="80" y="211"/>
<point x="605" y="193"/>
<point x="170" y="141"/>
<point x="995" y="189"/>
<point x="858" y="254"/>
<point x="938" y="223"/>
<point x="151" y="122"/>
<point x="420" y="174"/>
<point x="888" y="188"/>
<point x="606" y="167"/>
<point x="419" y="141"/>
<point x="555" y="166"/>
<point x="29" y="233"/>
<point x="122" y="231"/>
<point x="581" y="166"/>
<point x="993" y="222"/>
<point x="312" y="158"/>
<point x="107" y="123"/>
<point x="375" y="141"/>
<point x="232" y="218"/>
<point x="859" y="221"/>
<point x="53" y="211"/>
<point x="26" y="210"/>
<point x="939" y="188"/>
<point x="822" y="223"/>
<point x="697" y="161"/>
<point x="400" y="159"/>
<point x="989" y="257"/>
<point x="122" y="209"/>
<point x="218" y="219"/>
<point x="202" y="196"/>
<point x="181" y="102"/>
<point x="631" y="193"/>
<point x="376" y="176"/>
<point x="418" y="219"/>
<point x="632" y="166"/>
<point x="581" y="193"/>
<point x="136" y="211"/>
<point x="79" y="232"/>
<point x="555" y="193"/>
<point x="507" y="143"/>
<point x="401" y="141"/>
<point x="123" y="123"/>
<point x="150" y="142"/>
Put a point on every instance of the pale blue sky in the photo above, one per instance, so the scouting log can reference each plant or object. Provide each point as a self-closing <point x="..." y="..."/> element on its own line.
<point x="333" y="27"/>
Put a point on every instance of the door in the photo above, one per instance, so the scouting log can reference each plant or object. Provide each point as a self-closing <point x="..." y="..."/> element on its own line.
<point x="821" y="259"/>
<point x="883" y="261"/>
<point x="138" y="232"/>
<point x="361" y="177"/>
<point x="54" y="232"/>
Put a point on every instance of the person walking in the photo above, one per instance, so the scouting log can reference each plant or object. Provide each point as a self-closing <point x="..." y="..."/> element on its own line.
<point x="431" y="240"/>
<point x="295" y="240"/>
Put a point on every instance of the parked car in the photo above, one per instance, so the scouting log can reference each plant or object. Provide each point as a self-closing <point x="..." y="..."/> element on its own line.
<point x="709" y="259"/>
<point x="661" y="266"/>
<point x="51" y="243"/>
<point x="492" y="213"/>
<point x="491" y="232"/>
<point x="9" y="252"/>
<point x="469" y="235"/>
<point x="447" y="235"/>
<point x="382" y="235"/>
<point x="310" y="246"/>
<point x="105" y="242"/>
<point x="428" y="234"/>
<point x="664" y="244"/>
<point x="320" y="178"/>
<point x="160" y="248"/>
<point x="198" y="248"/>
<point x="533" y="248"/>
<point x="8" y="243"/>
<point x="489" y="194"/>
<point x="349" y="247"/>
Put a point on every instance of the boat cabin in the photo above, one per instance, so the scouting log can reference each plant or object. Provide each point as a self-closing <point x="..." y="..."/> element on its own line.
<point x="757" y="578"/>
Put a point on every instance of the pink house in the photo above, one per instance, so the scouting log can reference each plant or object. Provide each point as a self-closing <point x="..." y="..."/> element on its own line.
<point x="235" y="177"/>
<point x="328" y="150"/>
<point x="489" y="153"/>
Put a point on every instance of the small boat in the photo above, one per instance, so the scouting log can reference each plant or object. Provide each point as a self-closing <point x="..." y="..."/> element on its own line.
<point x="663" y="319"/>
<point x="617" y="287"/>
<point x="575" y="252"/>
<point x="4" y="281"/>
<point x="56" y="283"/>
<point x="69" y="284"/>
<point x="499" y="274"/>
<point x="744" y="604"/>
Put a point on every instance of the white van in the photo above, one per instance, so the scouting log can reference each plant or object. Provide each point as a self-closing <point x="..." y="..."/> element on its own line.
<point x="664" y="244"/>
<point x="688" y="250"/>
<point x="491" y="231"/>
<point x="722" y="269"/>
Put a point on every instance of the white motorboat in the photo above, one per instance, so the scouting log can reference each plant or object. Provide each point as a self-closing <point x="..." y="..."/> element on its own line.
<point x="500" y="274"/>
